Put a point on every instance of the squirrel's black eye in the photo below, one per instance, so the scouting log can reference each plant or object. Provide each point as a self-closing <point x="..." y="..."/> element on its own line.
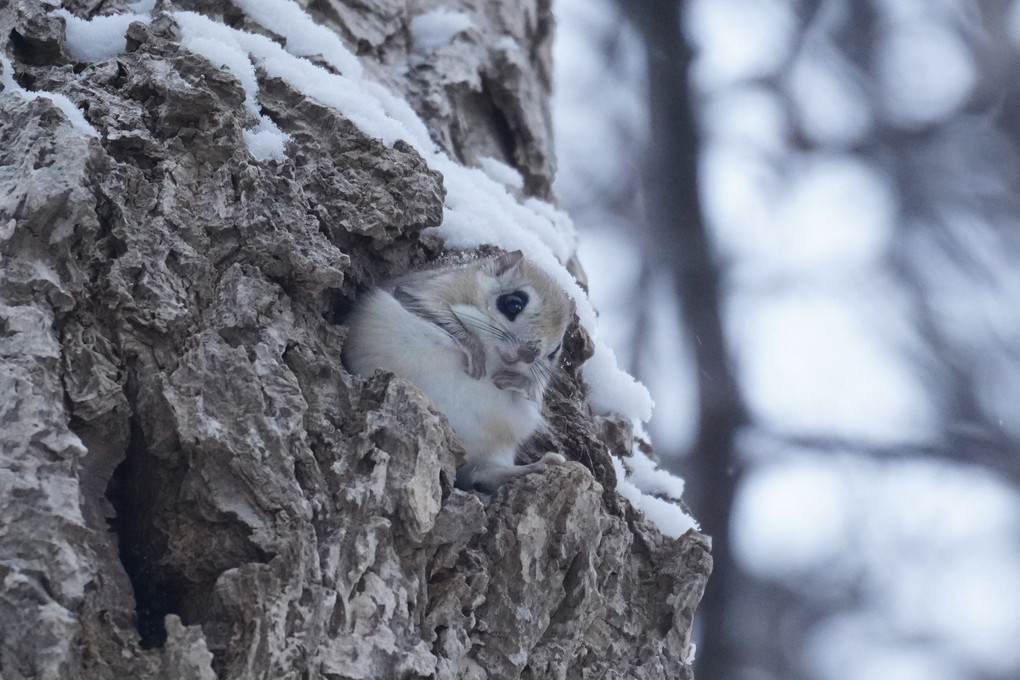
<point x="552" y="354"/>
<point x="511" y="304"/>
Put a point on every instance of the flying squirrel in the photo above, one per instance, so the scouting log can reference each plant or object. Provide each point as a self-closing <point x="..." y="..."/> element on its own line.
<point x="482" y="341"/>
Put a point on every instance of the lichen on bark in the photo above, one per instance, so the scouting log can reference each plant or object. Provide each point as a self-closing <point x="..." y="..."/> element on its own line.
<point x="192" y="485"/>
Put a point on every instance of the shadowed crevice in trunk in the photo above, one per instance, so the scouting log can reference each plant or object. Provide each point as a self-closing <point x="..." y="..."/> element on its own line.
<point x="132" y="489"/>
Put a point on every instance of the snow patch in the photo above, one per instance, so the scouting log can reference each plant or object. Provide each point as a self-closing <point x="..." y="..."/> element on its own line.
<point x="304" y="36"/>
<point x="499" y="171"/>
<point x="266" y="141"/>
<point x="101" y="37"/>
<point x="669" y="518"/>
<point x="518" y="658"/>
<point x="647" y="476"/>
<point x="6" y="232"/>
<point x="219" y="45"/>
<point x="508" y="44"/>
<point x="370" y="107"/>
<point x="479" y="210"/>
<point x="142" y="6"/>
<point x="435" y="29"/>
<point x="74" y="115"/>
<point x="610" y="387"/>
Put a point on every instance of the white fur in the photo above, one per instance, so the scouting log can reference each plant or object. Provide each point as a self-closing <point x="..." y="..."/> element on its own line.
<point x="491" y="421"/>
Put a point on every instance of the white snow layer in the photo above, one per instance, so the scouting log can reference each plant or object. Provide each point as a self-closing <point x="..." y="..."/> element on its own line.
<point x="648" y="477"/>
<point x="304" y="36"/>
<point x="221" y="46"/>
<point x="98" y="38"/>
<point x="434" y="29"/>
<point x="74" y="115"/>
<point x="498" y="171"/>
<point x="478" y="210"/>
<point x="668" y="517"/>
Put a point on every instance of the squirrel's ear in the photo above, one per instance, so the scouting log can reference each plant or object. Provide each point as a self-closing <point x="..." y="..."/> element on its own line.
<point x="573" y="310"/>
<point x="404" y="296"/>
<point x="504" y="263"/>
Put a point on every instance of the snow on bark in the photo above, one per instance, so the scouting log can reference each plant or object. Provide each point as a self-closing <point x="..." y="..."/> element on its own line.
<point x="193" y="486"/>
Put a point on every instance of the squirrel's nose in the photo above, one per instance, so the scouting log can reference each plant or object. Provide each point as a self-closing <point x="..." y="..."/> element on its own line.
<point x="526" y="353"/>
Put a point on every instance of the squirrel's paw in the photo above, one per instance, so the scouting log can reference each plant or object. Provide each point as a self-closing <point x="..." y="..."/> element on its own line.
<point x="552" y="458"/>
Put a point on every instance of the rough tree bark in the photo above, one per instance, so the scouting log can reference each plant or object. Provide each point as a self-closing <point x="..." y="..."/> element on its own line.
<point x="191" y="486"/>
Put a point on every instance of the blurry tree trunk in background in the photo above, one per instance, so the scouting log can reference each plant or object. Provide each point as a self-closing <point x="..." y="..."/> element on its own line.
<point x="680" y="241"/>
<point x="954" y="180"/>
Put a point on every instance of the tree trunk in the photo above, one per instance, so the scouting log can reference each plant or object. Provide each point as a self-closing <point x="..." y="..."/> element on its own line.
<point x="191" y="486"/>
<point x="683" y="247"/>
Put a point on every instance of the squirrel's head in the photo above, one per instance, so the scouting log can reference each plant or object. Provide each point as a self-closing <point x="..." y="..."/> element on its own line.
<point x="520" y="315"/>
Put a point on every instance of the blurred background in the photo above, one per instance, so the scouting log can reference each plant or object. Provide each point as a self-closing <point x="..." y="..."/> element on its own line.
<point x="801" y="224"/>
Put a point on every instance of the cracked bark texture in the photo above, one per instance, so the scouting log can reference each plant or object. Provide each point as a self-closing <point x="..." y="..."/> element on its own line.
<point x="192" y="486"/>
